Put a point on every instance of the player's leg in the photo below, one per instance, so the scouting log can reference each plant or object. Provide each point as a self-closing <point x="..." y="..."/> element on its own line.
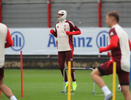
<point x="69" y="57"/>
<point x="61" y="61"/>
<point x="97" y="77"/>
<point x="7" y="91"/>
<point x="124" y="82"/>
<point x="126" y="92"/>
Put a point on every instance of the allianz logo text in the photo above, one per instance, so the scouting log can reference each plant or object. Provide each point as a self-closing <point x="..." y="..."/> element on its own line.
<point x="18" y="41"/>
<point x="102" y="39"/>
<point x="78" y="42"/>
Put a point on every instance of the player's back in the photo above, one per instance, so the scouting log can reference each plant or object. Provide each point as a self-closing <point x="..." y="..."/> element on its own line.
<point x="3" y="33"/>
<point x="124" y="48"/>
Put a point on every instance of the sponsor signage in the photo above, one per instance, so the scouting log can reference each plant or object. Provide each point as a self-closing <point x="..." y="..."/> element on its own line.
<point x="39" y="41"/>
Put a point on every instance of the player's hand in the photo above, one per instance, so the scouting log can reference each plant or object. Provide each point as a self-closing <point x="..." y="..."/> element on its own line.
<point x="67" y="32"/>
<point x="52" y="31"/>
<point x="110" y="61"/>
<point x="101" y="49"/>
<point x="108" y="54"/>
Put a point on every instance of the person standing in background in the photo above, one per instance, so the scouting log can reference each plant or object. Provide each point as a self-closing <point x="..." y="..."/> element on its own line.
<point x="64" y="31"/>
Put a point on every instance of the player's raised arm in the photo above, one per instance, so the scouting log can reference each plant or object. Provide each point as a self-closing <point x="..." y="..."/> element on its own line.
<point x="74" y="29"/>
<point x="113" y="44"/>
<point x="73" y="33"/>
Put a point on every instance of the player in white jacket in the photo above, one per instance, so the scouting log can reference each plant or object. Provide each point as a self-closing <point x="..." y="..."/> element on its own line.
<point x="64" y="31"/>
<point x="5" y="41"/>
<point x="119" y="46"/>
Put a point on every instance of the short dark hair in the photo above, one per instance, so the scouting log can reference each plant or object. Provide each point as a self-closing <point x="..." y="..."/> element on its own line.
<point x="114" y="14"/>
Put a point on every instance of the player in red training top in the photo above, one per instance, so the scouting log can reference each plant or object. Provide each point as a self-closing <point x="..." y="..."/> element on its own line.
<point x="64" y="31"/>
<point x="120" y="47"/>
<point x="5" y="41"/>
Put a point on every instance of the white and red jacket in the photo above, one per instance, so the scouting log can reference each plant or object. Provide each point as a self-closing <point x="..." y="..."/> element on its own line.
<point x="5" y="41"/>
<point x="120" y="47"/>
<point x="64" y="31"/>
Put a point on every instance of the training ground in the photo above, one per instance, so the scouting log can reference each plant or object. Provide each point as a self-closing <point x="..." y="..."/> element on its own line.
<point x="45" y="84"/>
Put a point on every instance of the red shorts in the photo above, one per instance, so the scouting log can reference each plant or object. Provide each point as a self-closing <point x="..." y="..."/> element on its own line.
<point x="1" y="72"/>
<point x="65" y="56"/>
<point x="122" y="75"/>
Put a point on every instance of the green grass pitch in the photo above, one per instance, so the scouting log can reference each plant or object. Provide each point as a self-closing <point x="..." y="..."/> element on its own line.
<point x="48" y="84"/>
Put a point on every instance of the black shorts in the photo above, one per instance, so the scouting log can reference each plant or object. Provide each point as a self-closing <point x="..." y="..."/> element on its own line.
<point x="1" y="72"/>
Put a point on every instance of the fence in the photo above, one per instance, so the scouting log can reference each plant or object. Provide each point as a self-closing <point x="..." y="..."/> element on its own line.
<point x="84" y="13"/>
